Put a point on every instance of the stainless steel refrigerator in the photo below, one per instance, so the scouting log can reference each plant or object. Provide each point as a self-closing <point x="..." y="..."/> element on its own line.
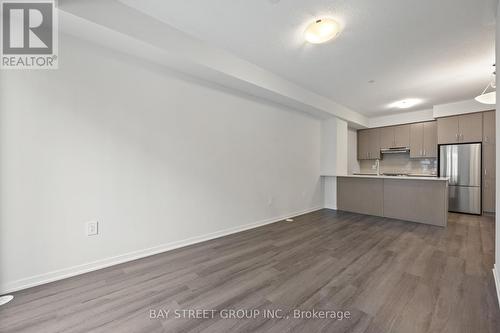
<point x="462" y="163"/>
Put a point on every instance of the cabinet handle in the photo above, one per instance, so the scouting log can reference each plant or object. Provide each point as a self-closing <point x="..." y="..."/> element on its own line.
<point x="420" y="152"/>
<point x="461" y="136"/>
<point x="456" y="136"/>
<point x="424" y="152"/>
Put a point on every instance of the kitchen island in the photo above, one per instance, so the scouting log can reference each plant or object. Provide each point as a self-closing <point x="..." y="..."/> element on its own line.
<point x="416" y="199"/>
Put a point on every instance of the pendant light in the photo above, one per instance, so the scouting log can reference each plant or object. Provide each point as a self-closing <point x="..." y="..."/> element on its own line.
<point x="489" y="97"/>
<point x="6" y="299"/>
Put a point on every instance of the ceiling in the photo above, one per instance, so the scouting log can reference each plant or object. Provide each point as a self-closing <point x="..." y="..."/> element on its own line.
<point x="438" y="51"/>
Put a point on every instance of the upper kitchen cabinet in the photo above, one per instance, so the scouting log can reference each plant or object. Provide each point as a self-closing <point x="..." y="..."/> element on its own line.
<point x="395" y="136"/>
<point x="423" y="140"/>
<point x="489" y="127"/>
<point x="459" y="129"/>
<point x="417" y="140"/>
<point x="471" y="127"/>
<point x="369" y="144"/>
<point x="402" y="136"/>
<point x="447" y="130"/>
<point x="386" y="137"/>
<point x="430" y="139"/>
<point x="363" y="143"/>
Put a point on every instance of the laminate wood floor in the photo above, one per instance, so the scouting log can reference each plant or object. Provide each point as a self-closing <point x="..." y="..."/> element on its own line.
<point x="391" y="276"/>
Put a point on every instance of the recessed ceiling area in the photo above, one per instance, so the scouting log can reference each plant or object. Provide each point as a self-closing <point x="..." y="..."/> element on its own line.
<point x="388" y="50"/>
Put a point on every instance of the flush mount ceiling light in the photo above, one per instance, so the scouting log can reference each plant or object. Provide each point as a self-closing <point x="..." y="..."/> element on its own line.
<point x="321" y="31"/>
<point x="405" y="103"/>
<point x="489" y="97"/>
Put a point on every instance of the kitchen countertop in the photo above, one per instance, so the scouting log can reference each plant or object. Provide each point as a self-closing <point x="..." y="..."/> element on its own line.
<point x="429" y="178"/>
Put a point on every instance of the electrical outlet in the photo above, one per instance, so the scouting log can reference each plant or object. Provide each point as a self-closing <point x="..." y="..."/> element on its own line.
<point x="92" y="228"/>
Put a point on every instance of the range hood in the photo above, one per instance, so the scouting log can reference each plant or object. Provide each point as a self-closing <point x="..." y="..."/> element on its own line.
<point x="396" y="150"/>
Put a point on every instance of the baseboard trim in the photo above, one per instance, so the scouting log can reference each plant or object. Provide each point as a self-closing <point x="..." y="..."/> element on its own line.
<point x="496" y="277"/>
<point x="64" y="273"/>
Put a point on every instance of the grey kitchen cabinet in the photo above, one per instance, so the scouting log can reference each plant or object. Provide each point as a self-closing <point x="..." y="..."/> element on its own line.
<point x="488" y="178"/>
<point x="374" y="143"/>
<point x="489" y="156"/>
<point x="361" y="195"/>
<point x="416" y="200"/>
<point x="363" y="144"/>
<point x="471" y="127"/>
<point x="395" y="136"/>
<point x="460" y="129"/>
<point x="416" y="140"/>
<point x="369" y="144"/>
<point x="489" y="195"/>
<point x="489" y="127"/>
<point x="402" y="136"/>
<point x="386" y="137"/>
<point x="430" y="139"/>
<point x="423" y="140"/>
<point x="448" y="130"/>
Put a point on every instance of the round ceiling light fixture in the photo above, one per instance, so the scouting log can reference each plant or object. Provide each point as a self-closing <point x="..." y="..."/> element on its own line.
<point x="406" y="103"/>
<point x="321" y="31"/>
<point x="489" y="97"/>
<point x="6" y="299"/>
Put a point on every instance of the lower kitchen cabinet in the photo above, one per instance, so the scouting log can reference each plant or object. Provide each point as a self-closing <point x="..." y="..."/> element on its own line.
<point x="418" y="200"/>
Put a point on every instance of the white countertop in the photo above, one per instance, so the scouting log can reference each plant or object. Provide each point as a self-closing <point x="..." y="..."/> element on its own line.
<point x="431" y="178"/>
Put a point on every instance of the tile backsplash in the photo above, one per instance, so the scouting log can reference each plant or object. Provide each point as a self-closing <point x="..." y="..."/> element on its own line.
<point x="395" y="163"/>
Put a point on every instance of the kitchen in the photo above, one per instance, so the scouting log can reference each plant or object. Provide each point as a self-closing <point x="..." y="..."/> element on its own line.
<point x="420" y="171"/>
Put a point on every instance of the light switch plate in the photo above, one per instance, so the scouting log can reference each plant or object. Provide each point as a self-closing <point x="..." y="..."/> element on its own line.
<point x="92" y="228"/>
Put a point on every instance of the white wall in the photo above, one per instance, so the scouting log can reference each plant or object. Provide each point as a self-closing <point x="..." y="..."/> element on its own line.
<point x="460" y="107"/>
<point x="440" y="110"/>
<point x="334" y="157"/>
<point x="401" y="118"/>
<point x="102" y="22"/>
<point x="497" y="218"/>
<point x="339" y="143"/>
<point x="334" y="147"/>
<point x="158" y="159"/>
